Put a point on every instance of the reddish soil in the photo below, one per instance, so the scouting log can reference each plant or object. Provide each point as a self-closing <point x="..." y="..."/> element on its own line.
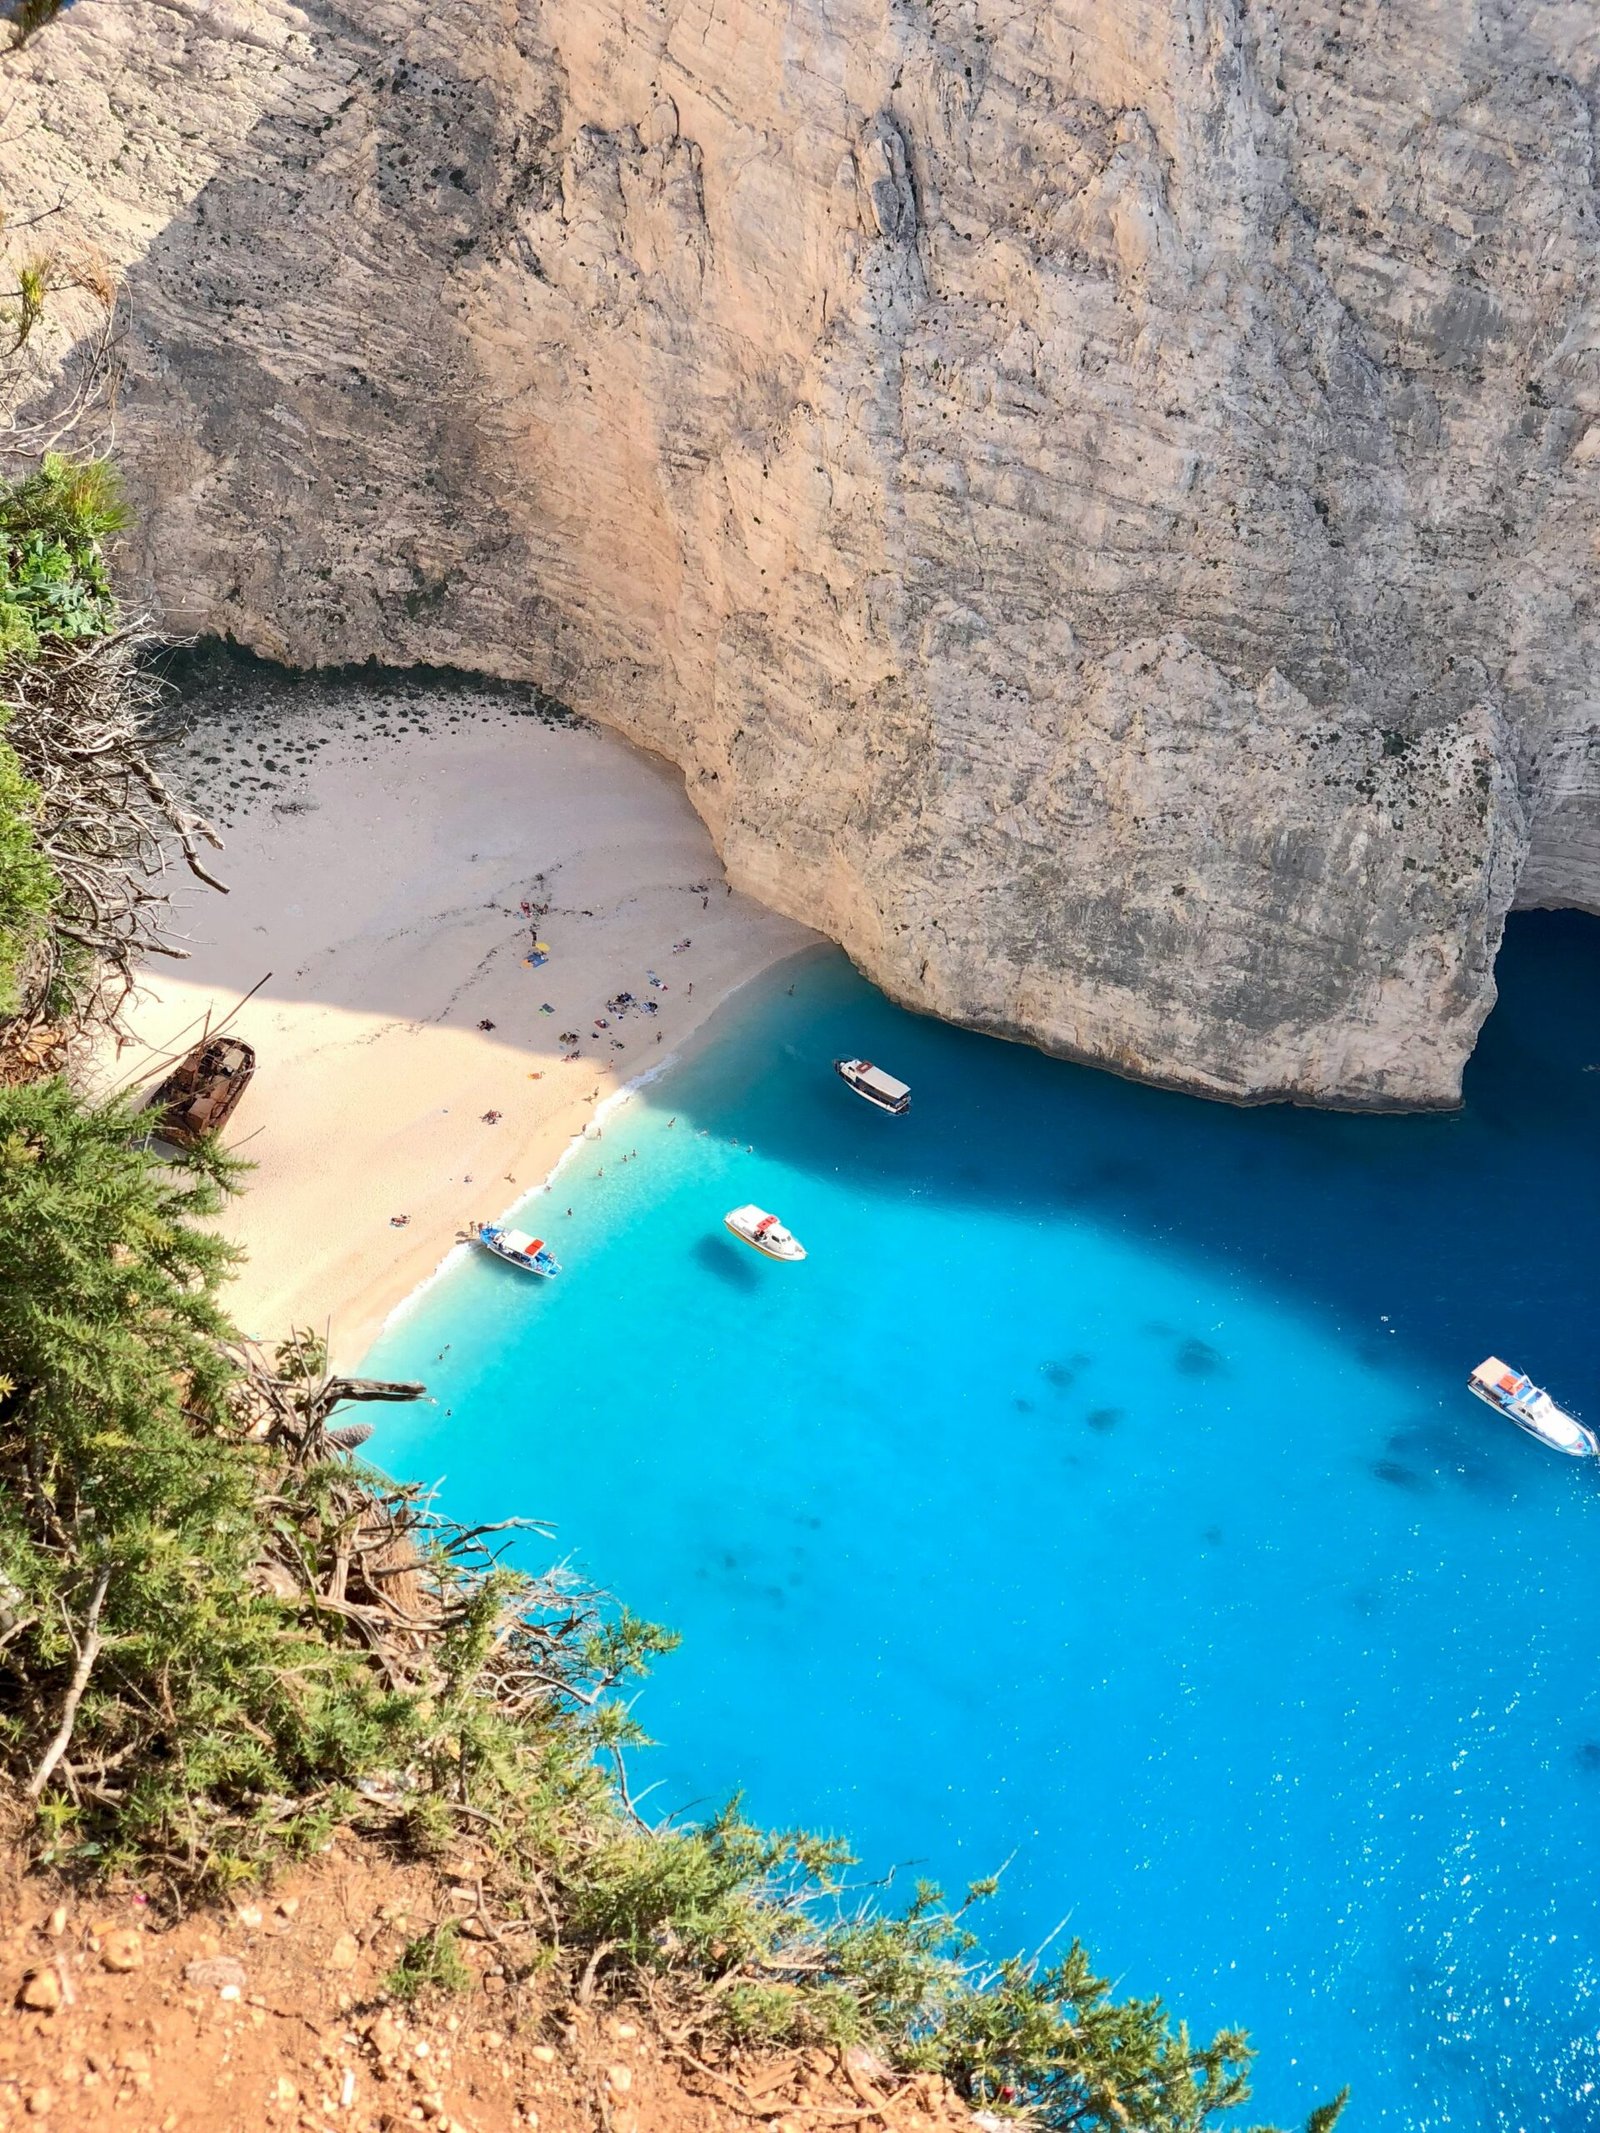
<point x="270" y="2015"/>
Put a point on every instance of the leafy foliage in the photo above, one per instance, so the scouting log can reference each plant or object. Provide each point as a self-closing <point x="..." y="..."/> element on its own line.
<point x="53" y="579"/>
<point x="53" y="587"/>
<point x="28" y="884"/>
<point x="430" y="1963"/>
<point x="80" y="910"/>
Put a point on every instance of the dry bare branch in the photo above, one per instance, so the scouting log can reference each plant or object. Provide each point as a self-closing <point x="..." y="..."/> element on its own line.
<point x="77" y="718"/>
<point x="88" y="1652"/>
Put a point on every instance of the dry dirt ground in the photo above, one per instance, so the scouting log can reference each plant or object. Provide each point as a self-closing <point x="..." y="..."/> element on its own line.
<point x="270" y="2015"/>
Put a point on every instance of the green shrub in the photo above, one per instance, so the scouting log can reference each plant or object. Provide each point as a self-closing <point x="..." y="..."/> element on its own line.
<point x="121" y="1476"/>
<point x="53" y="579"/>
<point x="28" y="885"/>
<point x="430" y="1963"/>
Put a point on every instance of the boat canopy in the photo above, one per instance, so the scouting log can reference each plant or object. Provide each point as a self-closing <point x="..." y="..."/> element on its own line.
<point x="748" y="1217"/>
<point x="1496" y="1376"/>
<point x="518" y="1240"/>
<point x="884" y="1084"/>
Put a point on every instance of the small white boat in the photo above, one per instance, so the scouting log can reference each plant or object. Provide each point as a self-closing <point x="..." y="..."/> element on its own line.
<point x="753" y="1225"/>
<point x="873" y="1084"/>
<point x="1510" y="1394"/>
<point x="517" y="1248"/>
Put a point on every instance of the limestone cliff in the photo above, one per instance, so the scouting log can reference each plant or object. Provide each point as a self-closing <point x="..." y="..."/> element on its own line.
<point x="1099" y="496"/>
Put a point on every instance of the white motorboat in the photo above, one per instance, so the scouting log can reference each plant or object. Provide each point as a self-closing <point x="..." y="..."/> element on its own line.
<point x="517" y="1248"/>
<point x="753" y="1225"/>
<point x="873" y="1085"/>
<point x="1510" y="1394"/>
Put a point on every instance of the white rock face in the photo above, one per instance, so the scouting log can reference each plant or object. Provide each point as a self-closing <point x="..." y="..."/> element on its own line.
<point x="1099" y="496"/>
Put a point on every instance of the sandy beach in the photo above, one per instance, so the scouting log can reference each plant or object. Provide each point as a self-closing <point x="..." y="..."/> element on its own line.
<point x="387" y="855"/>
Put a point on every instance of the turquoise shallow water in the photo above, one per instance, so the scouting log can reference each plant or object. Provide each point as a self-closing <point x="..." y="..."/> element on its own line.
<point x="1103" y="1495"/>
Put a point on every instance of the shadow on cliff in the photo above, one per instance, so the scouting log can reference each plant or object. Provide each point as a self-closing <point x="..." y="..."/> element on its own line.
<point x="1463" y="1232"/>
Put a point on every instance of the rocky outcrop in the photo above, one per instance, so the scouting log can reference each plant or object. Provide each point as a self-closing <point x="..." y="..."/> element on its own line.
<point x="1100" y="499"/>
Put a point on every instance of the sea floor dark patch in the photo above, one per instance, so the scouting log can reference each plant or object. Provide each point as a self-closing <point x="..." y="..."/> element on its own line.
<point x="1451" y="1453"/>
<point x="1401" y="1477"/>
<point x="1198" y="1359"/>
<point x="1105" y="1418"/>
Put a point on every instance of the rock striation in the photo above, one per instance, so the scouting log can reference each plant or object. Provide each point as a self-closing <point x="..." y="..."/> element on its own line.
<point x="1098" y="496"/>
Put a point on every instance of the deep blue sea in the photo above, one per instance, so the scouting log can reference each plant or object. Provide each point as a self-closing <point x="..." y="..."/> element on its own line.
<point x="1103" y="1496"/>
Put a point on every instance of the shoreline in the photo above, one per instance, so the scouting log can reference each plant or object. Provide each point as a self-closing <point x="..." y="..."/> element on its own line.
<point x="694" y="1039"/>
<point x="411" y="1060"/>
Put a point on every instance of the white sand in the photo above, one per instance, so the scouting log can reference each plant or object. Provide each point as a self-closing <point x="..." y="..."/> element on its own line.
<point x="382" y="891"/>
